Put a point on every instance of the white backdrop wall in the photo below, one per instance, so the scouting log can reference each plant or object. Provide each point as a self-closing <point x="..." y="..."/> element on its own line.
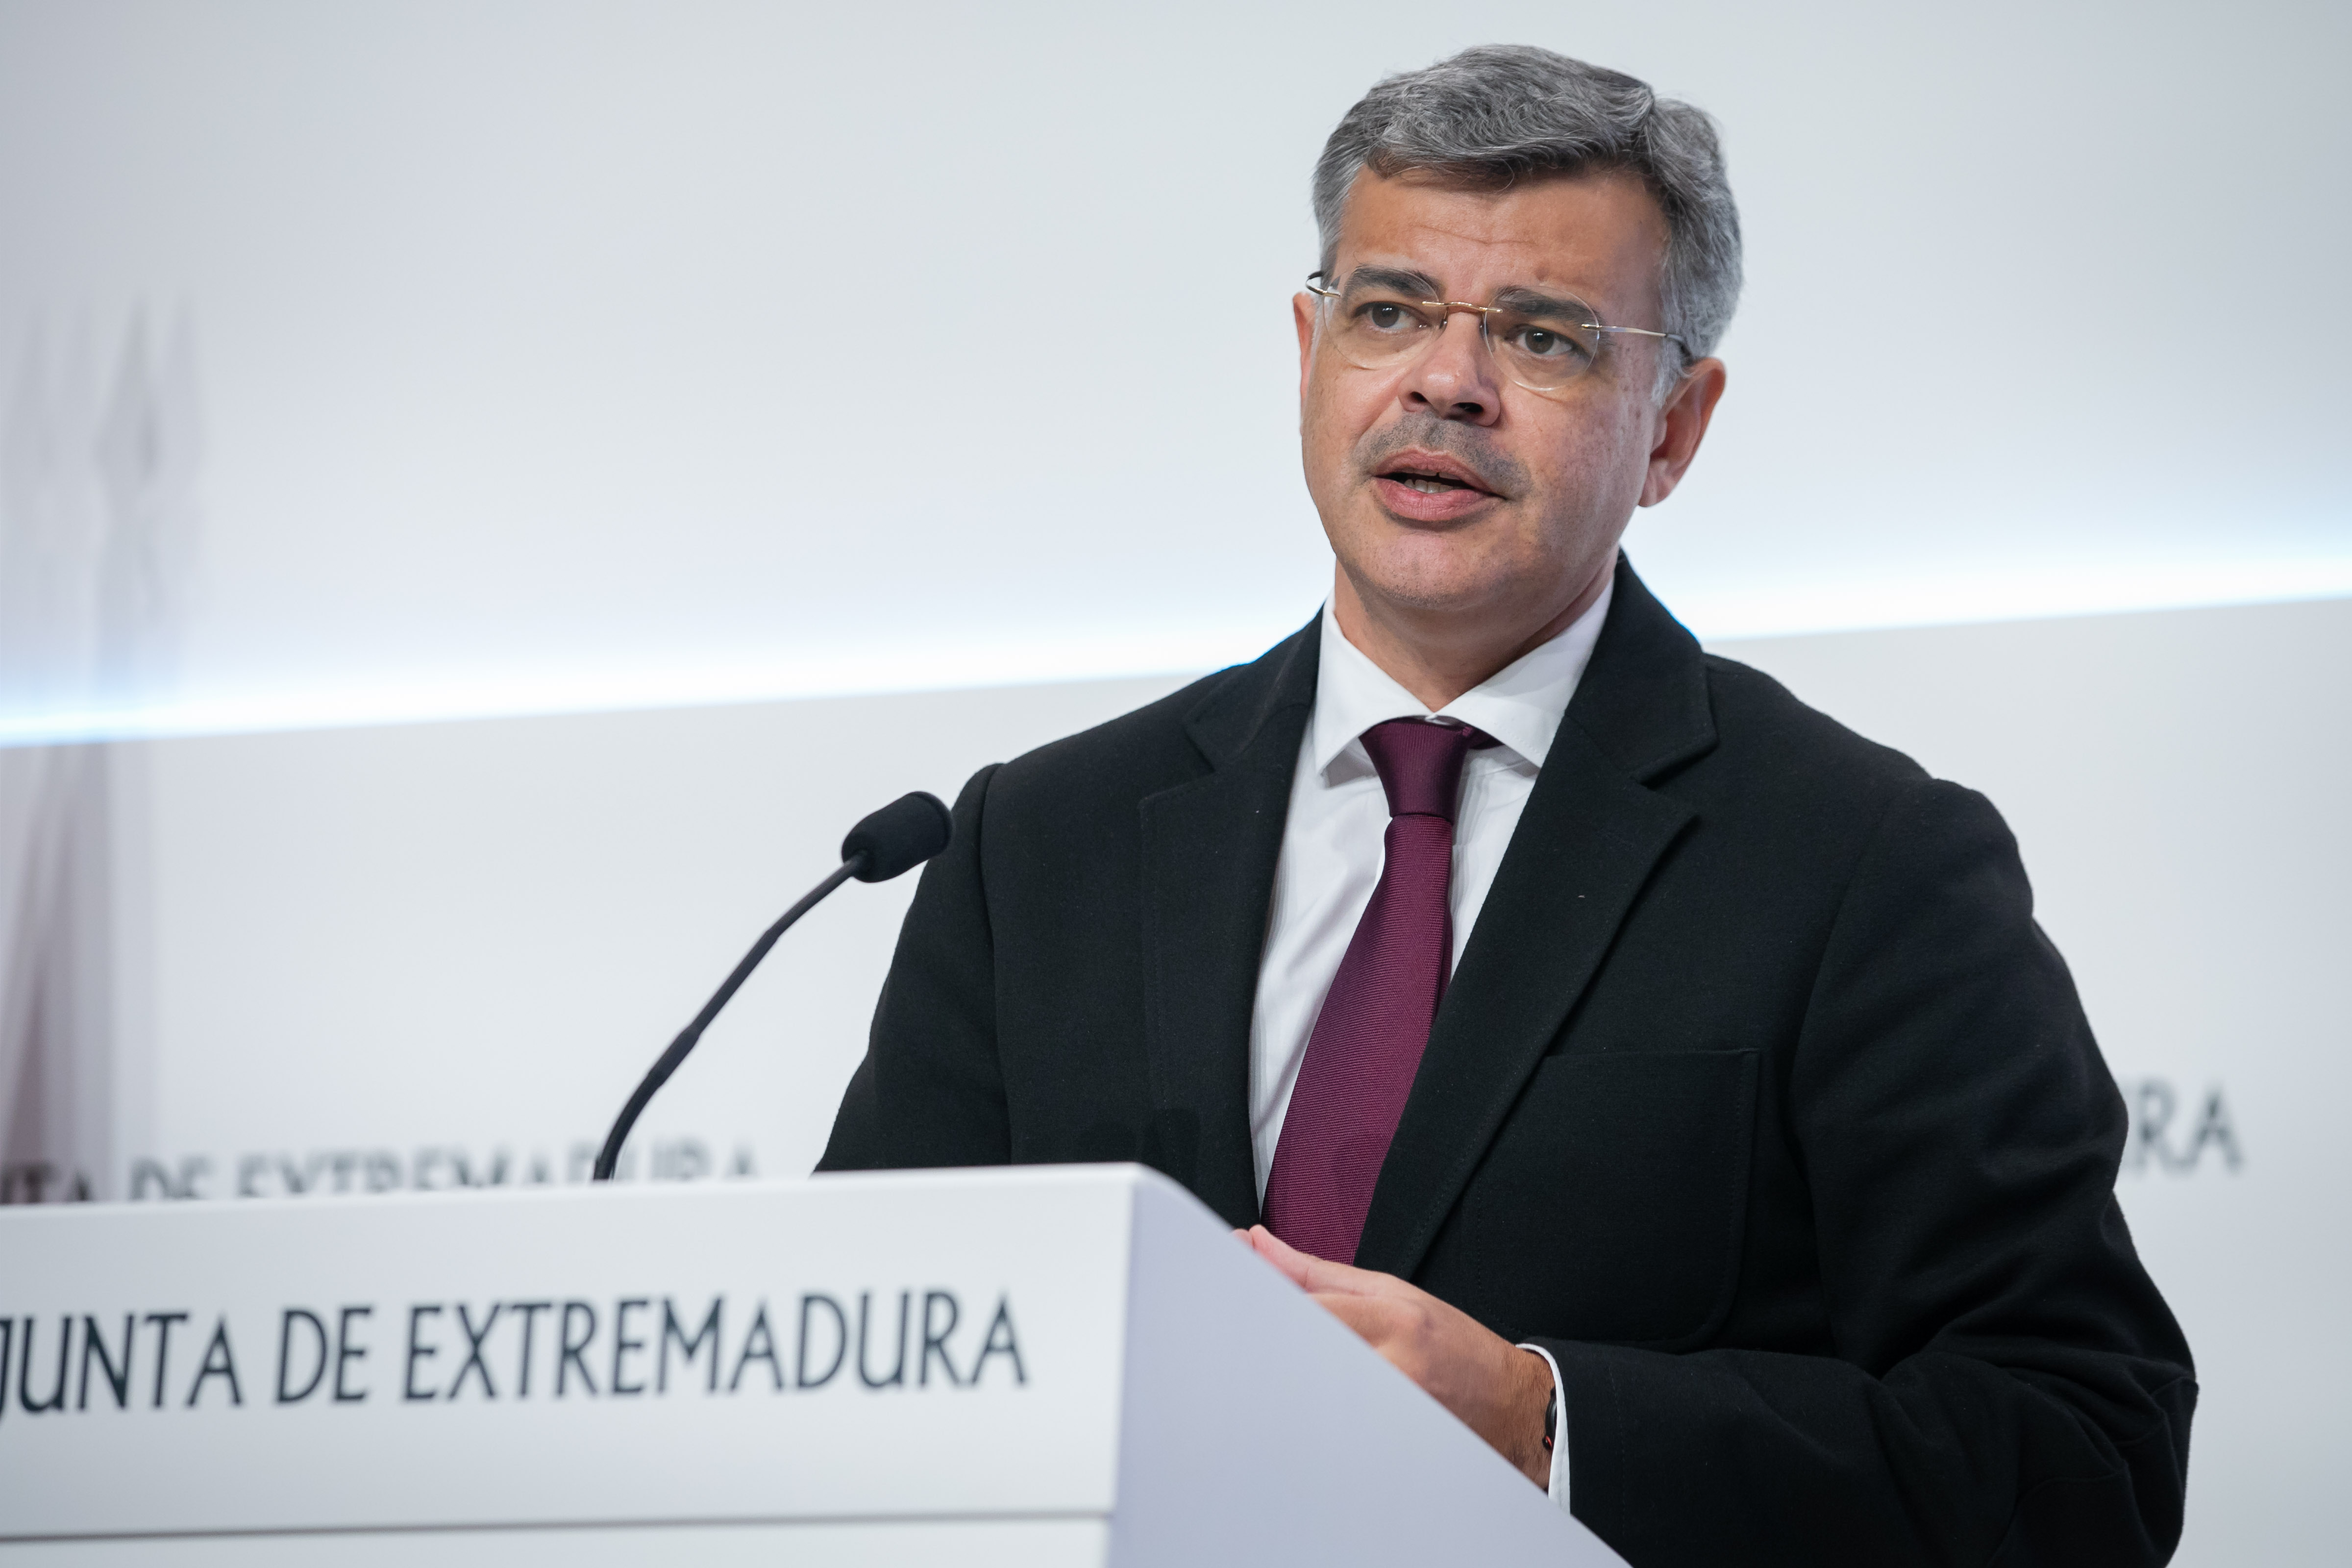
<point x="495" y="355"/>
<point x="437" y="954"/>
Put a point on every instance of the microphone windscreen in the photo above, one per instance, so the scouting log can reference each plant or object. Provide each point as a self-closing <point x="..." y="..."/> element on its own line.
<point x="900" y="836"/>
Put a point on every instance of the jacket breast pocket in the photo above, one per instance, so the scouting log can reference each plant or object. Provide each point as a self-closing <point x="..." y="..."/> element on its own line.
<point x="1611" y="1204"/>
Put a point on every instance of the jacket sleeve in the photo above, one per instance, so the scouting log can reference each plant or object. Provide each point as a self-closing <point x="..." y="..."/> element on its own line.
<point x="929" y="1091"/>
<point x="2007" y="1387"/>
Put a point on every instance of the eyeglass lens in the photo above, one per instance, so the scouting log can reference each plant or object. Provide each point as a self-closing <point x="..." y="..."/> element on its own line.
<point x="1377" y="328"/>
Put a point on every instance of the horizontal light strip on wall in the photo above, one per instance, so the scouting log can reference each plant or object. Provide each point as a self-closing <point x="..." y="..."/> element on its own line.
<point x="1853" y="604"/>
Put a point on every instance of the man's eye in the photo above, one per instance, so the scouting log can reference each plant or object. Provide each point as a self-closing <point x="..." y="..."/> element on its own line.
<point x="1383" y="317"/>
<point x="1545" y="342"/>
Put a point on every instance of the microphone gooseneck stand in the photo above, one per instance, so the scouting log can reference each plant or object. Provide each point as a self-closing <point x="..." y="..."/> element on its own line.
<point x="900" y="836"/>
<point x="659" y="1074"/>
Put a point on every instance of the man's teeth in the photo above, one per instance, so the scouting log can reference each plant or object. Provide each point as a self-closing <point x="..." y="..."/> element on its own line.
<point x="1427" y="484"/>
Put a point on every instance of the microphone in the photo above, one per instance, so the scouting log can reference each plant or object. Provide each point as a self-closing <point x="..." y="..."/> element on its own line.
<point x="895" y="839"/>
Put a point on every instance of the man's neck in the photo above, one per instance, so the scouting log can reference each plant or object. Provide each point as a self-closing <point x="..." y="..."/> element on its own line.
<point x="1438" y="658"/>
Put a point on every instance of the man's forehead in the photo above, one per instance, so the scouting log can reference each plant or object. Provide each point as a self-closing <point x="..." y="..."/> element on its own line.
<point x="1591" y="233"/>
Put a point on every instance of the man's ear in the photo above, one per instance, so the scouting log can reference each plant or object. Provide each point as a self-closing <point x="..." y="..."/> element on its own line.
<point x="1302" y="315"/>
<point x="1682" y="425"/>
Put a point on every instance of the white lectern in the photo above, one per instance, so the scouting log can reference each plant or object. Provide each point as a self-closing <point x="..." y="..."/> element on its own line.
<point x="1037" y="1367"/>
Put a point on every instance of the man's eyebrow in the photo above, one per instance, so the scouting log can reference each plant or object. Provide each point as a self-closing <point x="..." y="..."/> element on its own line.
<point x="1404" y="280"/>
<point x="1534" y="303"/>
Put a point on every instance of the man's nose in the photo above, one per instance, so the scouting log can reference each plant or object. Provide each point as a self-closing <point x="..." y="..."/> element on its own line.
<point x="1455" y="379"/>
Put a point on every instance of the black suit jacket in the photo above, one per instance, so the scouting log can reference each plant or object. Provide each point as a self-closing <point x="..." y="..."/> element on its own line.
<point x="1758" y="1099"/>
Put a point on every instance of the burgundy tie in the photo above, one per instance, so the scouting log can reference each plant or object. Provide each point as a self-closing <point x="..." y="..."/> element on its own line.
<point x="1367" y="1041"/>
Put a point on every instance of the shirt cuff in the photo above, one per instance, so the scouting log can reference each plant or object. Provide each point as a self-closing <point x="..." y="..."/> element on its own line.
<point x="1559" y="1485"/>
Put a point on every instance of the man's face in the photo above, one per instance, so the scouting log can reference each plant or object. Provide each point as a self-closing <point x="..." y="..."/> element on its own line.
<point x="1446" y="488"/>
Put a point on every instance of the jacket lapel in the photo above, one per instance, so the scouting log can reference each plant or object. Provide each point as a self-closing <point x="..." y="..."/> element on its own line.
<point x="1591" y="832"/>
<point x="1209" y="853"/>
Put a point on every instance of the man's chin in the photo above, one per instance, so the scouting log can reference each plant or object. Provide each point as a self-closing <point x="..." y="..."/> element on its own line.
<point x="1435" y="581"/>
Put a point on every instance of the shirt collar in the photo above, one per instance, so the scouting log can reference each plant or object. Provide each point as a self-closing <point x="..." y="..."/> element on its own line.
<point x="1520" y="705"/>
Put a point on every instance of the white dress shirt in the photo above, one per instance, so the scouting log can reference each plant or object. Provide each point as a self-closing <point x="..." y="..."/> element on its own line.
<point x="1332" y="846"/>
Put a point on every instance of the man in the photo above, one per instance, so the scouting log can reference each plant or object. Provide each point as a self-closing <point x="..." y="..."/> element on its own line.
<point x="1673" y="1083"/>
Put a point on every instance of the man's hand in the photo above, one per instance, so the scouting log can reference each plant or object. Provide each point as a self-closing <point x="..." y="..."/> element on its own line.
<point x="1496" y="1389"/>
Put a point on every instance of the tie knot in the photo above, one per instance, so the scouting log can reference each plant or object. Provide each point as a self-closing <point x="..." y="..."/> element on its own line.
<point x="1419" y="763"/>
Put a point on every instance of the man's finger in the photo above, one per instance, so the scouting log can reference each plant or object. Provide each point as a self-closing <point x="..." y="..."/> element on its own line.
<point x="1310" y="1272"/>
<point x="1274" y="1250"/>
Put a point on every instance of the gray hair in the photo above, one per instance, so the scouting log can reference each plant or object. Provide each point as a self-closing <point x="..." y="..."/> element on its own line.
<point x="1501" y="112"/>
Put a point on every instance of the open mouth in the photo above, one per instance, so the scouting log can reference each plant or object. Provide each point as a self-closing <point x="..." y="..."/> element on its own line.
<point x="1427" y="484"/>
<point x="1432" y="474"/>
